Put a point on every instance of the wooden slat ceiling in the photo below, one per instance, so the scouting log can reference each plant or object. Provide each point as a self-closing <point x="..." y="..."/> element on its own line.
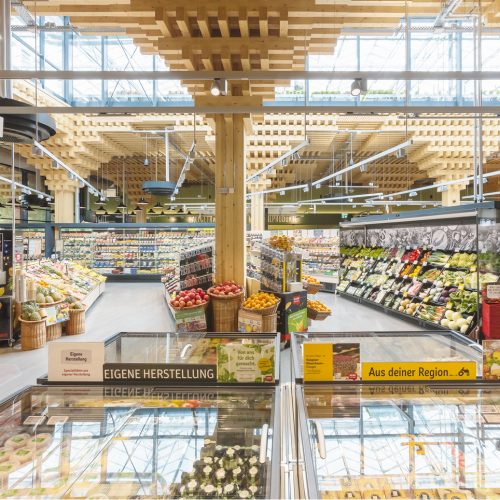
<point x="265" y="35"/>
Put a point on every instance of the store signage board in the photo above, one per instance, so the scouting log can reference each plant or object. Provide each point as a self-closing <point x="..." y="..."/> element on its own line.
<point x="493" y="292"/>
<point x="426" y="370"/>
<point x="491" y="360"/>
<point x="250" y="363"/>
<point x="326" y="362"/>
<point x="158" y="373"/>
<point x="76" y="361"/>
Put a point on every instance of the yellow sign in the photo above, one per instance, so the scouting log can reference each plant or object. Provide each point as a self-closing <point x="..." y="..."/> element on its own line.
<point x="427" y="370"/>
<point x="318" y="362"/>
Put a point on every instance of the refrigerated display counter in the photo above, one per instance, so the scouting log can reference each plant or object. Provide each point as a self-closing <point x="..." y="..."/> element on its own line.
<point x="157" y="437"/>
<point x="396" y="439"/>
<point x="140" y="442"/>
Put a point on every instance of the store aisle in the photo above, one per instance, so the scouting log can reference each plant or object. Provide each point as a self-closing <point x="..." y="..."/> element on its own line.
<point x="136" y="307"/>
<point x="349" y="316"/>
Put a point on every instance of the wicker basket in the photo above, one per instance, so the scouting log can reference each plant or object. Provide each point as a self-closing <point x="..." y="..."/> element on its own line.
<point x="225" y="312"/>
<point x="54" y="331"/>
<point x="76" y="322"/>
<point x="199" y="306"/>
<point x="50" y="304"/>
<point x="33" y="334"/>
<point x="312" y="288"/>
<point x="316" y="315"/>
<point x="264" y="312"/>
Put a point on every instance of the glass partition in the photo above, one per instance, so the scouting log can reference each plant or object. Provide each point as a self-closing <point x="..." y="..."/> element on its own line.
<point x="394" y="347"/>
<point x="406" y="441"/>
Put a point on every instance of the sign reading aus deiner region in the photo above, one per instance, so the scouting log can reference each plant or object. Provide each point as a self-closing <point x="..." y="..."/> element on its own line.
<point x="76" y="361"/>
<point x="151" y="373"/>
<point x="426" y="370"/>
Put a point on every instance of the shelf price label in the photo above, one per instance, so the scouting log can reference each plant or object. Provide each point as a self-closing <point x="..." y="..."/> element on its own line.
<point x="425" y="370"/>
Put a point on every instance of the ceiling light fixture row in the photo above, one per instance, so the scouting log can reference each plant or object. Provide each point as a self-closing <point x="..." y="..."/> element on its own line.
<point x="25" y="189"/>
<point x="442" y="186"/>
<point x="364" y="162"/>
<point x="293" y="153"/>
<point x="182" y="176"/>
<point x="71" y="173"/>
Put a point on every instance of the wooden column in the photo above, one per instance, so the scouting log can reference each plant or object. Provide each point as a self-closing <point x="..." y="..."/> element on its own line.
<point x="64" y="205"/>
<point x="451" y="196"/>
<point x="257" y="212"/>
<point x="230" y="194"/>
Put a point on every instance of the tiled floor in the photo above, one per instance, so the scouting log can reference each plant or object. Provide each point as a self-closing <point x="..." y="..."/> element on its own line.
<point x="140" y="307"/>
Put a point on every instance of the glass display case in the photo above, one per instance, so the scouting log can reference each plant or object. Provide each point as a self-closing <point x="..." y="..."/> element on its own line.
<point x="403" y="438"/>
<point x="400" y="441"/>
<point x="130" y="251"/>
<point x="156" y="438"/>
<point x="137" y="442"/>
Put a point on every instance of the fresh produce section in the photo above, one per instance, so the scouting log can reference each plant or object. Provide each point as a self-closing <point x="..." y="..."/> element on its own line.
<point x="421" y="283"/>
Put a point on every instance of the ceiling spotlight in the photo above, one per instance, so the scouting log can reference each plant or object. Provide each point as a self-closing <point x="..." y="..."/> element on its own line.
<point x="354" y="206"/>
<point x="146" y="162"/>
<point x="323" y="202"/>
<point x="337" y="183"/>
<point x="55" y="165"/>
<point x="306" y="189"/>
<point x="400" y="153"/>
<point x="102" y="198"/>
<point x="412" y="194"/>
<point x="282" y="193"/>
<point x="442" y="189"/>
<point x="318" y="186"/>
<point x="370" y="184"/>
<point x="284" y="162"/>
<point x="142" y="201"/>
<point x="40" y="196"/>
<point x="349" y="200"/>
<point x="391" y="198"/>
<point x="219" y="87"/>
<point x="363" y="168"/>
<point x="358" y="87"/>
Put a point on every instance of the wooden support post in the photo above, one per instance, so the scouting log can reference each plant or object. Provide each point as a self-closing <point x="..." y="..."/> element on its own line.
<point x="257" y="213"/>
<point x="64" y="205"/>
<point x="230" y="195"/>
<point x="451" y="196"/>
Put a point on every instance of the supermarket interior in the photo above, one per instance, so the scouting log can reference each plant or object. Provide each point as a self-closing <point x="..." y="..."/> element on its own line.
<point x="250" y="249"/>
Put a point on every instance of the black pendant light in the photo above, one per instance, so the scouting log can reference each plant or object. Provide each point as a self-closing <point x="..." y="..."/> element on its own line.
<point x="151" y="212"/>
<point x="121" y="206"/>
<point x="180" y="211"/>
<point x="100" y="210"/>
<point x="142" y="201"/>
<point x="2" y="205"/>
<point x="106" y="213"/>
<point x="158" y="205"/>
<point x="137" y="209"/>
<point x="117" y="212"/>
<point x="132" y="213"/>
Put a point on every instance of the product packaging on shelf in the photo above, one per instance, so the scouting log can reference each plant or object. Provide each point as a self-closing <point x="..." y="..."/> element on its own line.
<point x="292" y="313"/>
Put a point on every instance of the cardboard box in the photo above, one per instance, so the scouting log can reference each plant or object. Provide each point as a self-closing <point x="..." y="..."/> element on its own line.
<point x="250" y="322"/>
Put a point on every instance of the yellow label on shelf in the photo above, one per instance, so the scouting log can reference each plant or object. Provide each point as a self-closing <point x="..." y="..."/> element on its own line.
<point x="318" y="362"/>
<point x="425" y="370"/>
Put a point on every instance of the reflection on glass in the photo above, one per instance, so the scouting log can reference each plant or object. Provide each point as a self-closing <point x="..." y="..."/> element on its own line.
<point x="406" y="442"/>
<point x="123" y="442"/>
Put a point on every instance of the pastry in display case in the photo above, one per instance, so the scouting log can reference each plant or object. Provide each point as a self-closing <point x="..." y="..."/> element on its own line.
<point x="138" y="442"/>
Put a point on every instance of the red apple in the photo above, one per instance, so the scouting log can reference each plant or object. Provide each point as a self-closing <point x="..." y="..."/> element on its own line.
<point x="189" y="304"/>
<point x="175" y="303"/>
<point x="198" y="302"/>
